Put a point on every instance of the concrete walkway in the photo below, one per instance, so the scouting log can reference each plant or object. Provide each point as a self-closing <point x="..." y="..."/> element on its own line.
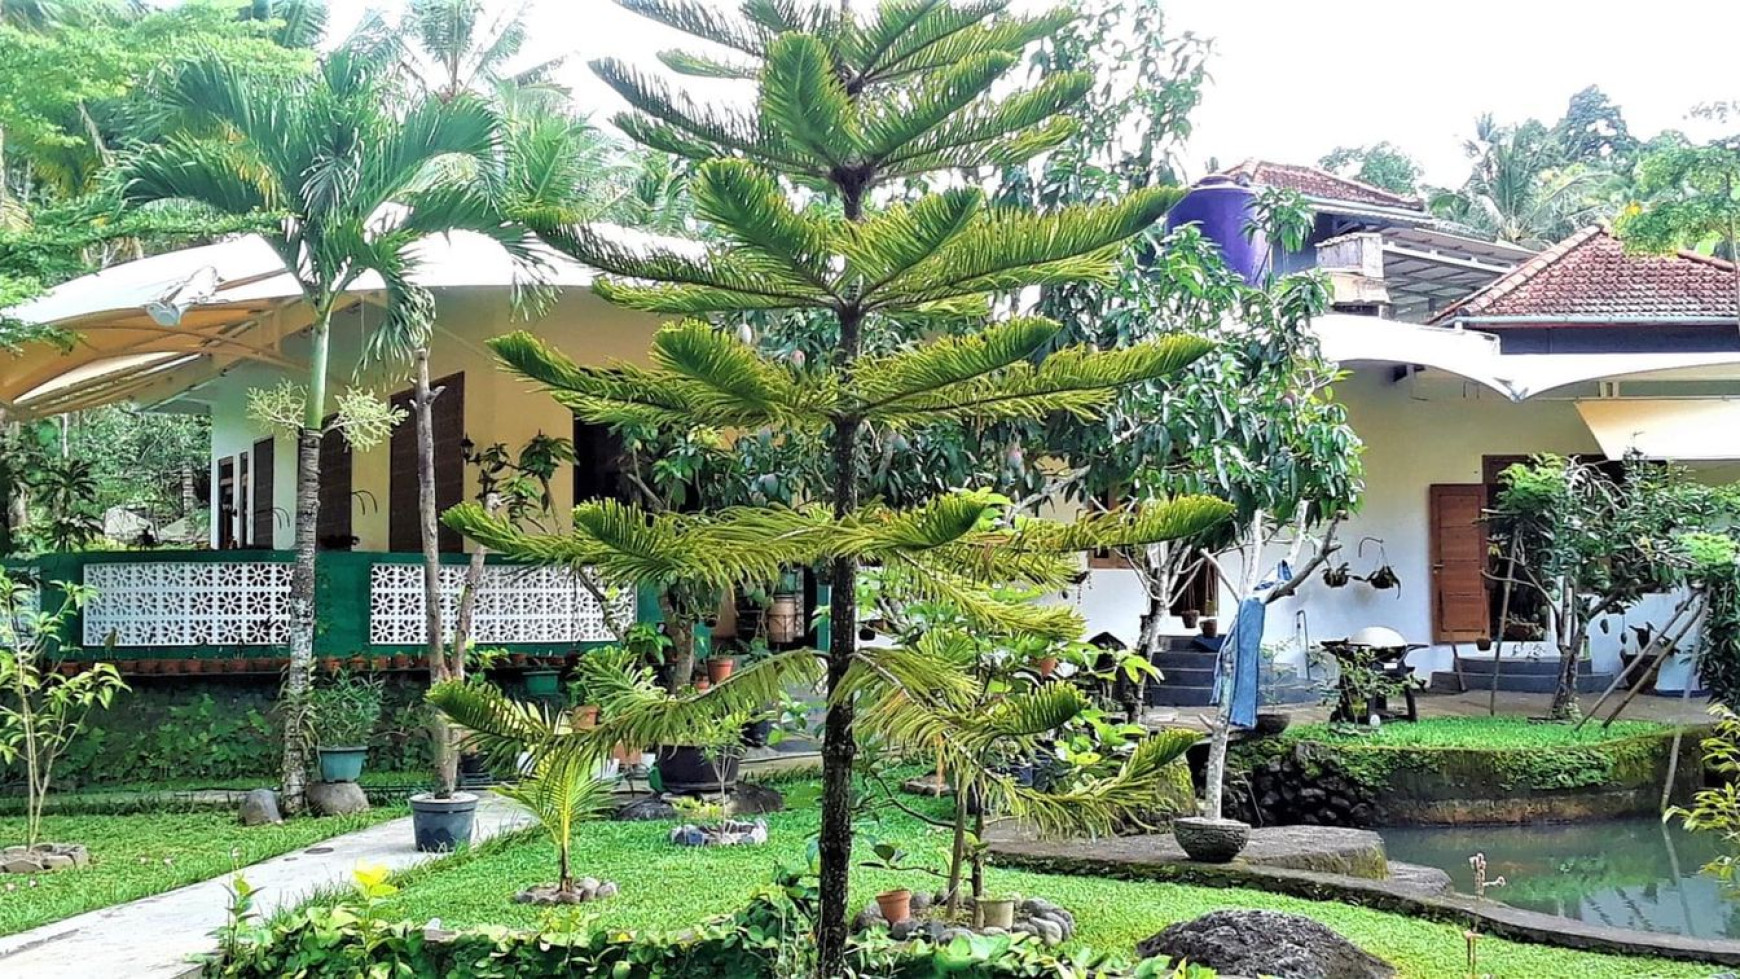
<point x="153" y="938"/>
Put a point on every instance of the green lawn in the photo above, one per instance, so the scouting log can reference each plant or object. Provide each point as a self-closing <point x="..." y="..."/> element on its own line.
<point x="665" y="887"/>
<point x="135" y="856"/>
<point x="1484" y="733"/>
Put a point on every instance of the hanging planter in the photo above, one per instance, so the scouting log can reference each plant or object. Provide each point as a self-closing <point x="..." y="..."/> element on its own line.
<point x="1384" y="578"/>
<point x="1338" y="576"/>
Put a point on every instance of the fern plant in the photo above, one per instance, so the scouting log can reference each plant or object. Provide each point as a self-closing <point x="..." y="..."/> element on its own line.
<point x="807" y="191"/>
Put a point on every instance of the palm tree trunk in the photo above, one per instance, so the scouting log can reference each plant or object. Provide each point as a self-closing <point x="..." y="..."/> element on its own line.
<point x="958" y="851"/>
<point x="435" y="652"/>
<point x="293" y="696"/>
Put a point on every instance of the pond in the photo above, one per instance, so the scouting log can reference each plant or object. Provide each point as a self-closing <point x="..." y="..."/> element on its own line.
<point x="1633" y="873"/>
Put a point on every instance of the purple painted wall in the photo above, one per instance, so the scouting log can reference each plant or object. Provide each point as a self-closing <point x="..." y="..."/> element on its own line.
<point x="1221" y="208"/>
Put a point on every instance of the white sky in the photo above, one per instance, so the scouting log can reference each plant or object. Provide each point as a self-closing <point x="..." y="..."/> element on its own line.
<point x="1295" y="78"/>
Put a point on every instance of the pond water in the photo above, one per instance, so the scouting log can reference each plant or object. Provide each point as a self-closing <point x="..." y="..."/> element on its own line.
<point x="1633" y="873"/>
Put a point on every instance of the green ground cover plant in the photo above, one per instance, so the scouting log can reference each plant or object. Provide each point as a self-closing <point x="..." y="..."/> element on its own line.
<point x="666" y="888"/>
<point x="140" y="855"/>
<point x="1483" y="733"/>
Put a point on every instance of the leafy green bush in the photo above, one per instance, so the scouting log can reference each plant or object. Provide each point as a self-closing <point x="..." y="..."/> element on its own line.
<point x="762" y="940"/>
<point x="222" y="730"/>
<point x="346" y="710"/>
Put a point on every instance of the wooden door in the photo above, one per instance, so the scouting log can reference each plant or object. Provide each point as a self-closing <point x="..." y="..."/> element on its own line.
<point x="1458" y="548"/>
<point x="404" y="528"/>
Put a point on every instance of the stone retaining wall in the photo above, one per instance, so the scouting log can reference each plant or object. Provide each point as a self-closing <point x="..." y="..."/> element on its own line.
<point x="1295" y="782"/>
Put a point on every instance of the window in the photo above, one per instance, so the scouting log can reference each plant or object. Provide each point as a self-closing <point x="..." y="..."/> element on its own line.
<point x="447" y="415"/>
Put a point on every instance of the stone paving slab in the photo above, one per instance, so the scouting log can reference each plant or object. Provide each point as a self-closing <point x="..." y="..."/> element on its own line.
<point x="154" y="938"/>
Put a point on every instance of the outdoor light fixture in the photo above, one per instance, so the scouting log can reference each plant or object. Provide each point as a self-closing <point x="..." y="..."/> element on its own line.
<point x="199" y="287"/>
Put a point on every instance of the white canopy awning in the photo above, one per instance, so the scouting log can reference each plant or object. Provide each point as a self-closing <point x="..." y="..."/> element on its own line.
<point x="159" y="324"/>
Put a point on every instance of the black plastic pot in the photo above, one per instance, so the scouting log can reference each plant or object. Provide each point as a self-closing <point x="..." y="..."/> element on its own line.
<point x="685" y="769"/>
<point x="756" y="735"/>
<point x="439" y="824"/>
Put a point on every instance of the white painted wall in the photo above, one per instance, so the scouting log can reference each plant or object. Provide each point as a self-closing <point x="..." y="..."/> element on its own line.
<point x="1417" y="432"/>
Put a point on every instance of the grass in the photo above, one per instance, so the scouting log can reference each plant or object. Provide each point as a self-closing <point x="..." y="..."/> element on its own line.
<point x="1481" y="733"/>
<point x="667" y="888"/>
<point x="135" y="856"/>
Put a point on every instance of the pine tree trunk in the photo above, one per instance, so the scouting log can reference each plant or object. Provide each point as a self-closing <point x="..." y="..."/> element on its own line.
<point x="839" y="745"/>
<point x="293" y="695"/>
<point x="435" y="653"/>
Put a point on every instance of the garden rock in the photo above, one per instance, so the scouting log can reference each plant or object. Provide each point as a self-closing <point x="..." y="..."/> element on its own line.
<point x="731" y="832"/>
<point x="336" y="798"/>
<point x="43" y="857"/>
<point x="646" y="810"/>
<point x="586" y="889"/>
<point x="1036" y="917"/>
<point x="1265" y="943"/>
<point x="749" y="799"/>
<point x="260" y="807"/>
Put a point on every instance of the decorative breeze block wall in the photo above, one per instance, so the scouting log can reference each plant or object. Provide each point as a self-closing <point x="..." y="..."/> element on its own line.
<point x="516" y="604"/>
<point x="188" y="604"/>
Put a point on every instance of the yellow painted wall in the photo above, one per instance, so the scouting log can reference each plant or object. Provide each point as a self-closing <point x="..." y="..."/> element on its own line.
<point x="498" y="407"/>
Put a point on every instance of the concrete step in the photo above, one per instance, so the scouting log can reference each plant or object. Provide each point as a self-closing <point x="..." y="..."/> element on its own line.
<point x="1521" y="682"/>
<point x="1167" y="662"/>
<point x="1518" y="666"/>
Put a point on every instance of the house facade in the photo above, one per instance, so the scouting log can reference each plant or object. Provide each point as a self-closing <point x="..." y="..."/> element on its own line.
<point x="1462" y="356"/>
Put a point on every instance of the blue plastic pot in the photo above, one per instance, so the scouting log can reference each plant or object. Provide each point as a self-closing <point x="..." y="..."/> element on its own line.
<point x="341" y="764"/>
<point x="440" y="825"/>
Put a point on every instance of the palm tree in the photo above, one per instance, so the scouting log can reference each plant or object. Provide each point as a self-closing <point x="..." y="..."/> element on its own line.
<point x="1520" y="188"/>
<point x="350" y="168"/>
<point x="459" y="46"/>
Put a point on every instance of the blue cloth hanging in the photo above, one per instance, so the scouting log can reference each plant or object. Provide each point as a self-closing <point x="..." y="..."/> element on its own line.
<point x="1244" y="643"/>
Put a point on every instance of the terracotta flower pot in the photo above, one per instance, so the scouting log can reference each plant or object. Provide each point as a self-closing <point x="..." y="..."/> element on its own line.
<point x="192" y="666"/>
<point x="358" y="664"/>
<point x="703" y="685"/>
<point x="518" y="659"/>
<point x="401" y="661"/>
<point x="584" y="717"/>
<point x="381" y="664"/>
<point x="145" y="667"/>
<point x="1210" y="628"/>
<point x="896" y="905"/>
<point x="1046" y="665"/>
<point x="719" y="668"/>
<point x="127" y="667"/>
<point x="68" y="668"/>
<point x="329" y="664"/>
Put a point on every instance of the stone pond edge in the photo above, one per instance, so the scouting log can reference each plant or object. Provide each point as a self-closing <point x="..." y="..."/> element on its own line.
<point x="1490" y="917"/>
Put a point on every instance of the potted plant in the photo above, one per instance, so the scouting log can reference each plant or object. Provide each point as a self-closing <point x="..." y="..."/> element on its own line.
<point x="329" y="664"/>
<point x="542" y="681"/>
<point x="719" y="667"/>
<point x="401" y="661"/>
<point x="346" y="710"/>
<point x="785" y="614"/>
<point x="380" y="664"/>
<point x="357" y="663"/>
<point x="582" y="707"/>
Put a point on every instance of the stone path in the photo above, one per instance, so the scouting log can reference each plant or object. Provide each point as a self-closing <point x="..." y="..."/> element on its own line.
<point x="153" y="938"/>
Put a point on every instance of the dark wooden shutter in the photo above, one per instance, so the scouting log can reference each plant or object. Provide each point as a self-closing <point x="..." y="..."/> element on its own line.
<point x="404" y="532"/>
<point x="597" y="463"/>
<point x="333" y="531"/>
<point x="1458" y="542"/>
<point x="264" y="512"/>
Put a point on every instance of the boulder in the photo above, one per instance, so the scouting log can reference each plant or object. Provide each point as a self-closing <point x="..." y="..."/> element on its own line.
<point x="749" y="799"/>
<point x="336" y="798"/>
<point x="646" y="810"/>
<point x="260" y="807"/>
<point x="1264" y="943"/>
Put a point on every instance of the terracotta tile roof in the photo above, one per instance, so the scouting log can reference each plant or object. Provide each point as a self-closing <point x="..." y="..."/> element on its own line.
<point x="1321" y="184"/>
<point x="1591" y="274"/>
